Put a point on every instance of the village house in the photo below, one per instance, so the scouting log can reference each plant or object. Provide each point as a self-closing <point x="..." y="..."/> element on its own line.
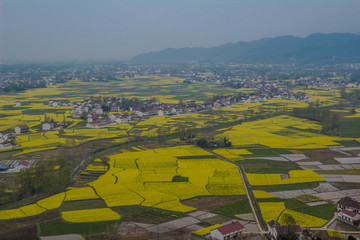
<point x="22" y="164"/>
<point x="99" y="122"/>
<point x="17" y="104"/>
<point x="349" y="204"/>
<point x="5" y="135"/>
<point x="115" y="116"/>
<point x="275" y="229"/>
<point x="99" y="110"/>
<point x="47" y="126"/>
<point x="229" y="231"/>
<point x="22" y="129"/>
<point x="120" y="118"/>
<point x="6" y="144"/>
<point x="114" y="108"/>
<point x="349" y="210"/>
<point x="348" y="216"/>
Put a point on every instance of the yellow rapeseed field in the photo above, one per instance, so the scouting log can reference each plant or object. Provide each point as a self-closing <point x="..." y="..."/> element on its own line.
<point x="270" y="132"/>
<point x="304" y="220"/>
<point x="263" y="194"/>
<point x="52" y="202"/>
<point x="80" y="194"/>
<point x="271" y="210"/>
<point x="295" y="176"/>
<point x="146" y="178"/>
<point x="90" y="215"/>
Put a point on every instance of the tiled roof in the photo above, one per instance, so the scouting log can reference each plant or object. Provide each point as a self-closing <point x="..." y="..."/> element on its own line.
<point x="232" y="227"/>
<point x="349" y="213"/>
<point x="349" y="202"/>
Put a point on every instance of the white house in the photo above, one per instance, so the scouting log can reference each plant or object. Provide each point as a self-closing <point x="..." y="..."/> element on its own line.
<point x="5" y="135"/>
<point x="349" y="216"/>
<point x="48" y="126"/>
<point x="115" y="116"/>
<point x="17" y="104"/>
<point x="21" y="129"/>
<point x="228" y="231"/>
<point x="99" y="111"/>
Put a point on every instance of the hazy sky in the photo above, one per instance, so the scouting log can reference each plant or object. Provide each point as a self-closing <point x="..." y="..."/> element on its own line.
<point x="42" y="30"/>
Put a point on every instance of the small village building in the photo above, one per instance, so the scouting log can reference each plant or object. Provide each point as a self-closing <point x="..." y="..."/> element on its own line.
<point x="114" y="108"/>
<point x="4" y="167"/>
<point x="22" y="129"/>
<point x="99" y="111"/>
<point x="22" y="164"/>
<point x="124" y="119"/>
<point x="47" y="126"/>
<point x="275" y="229"/>
<point x="229" y="231"/>
<point x="17" y="104"/>
<point x="6" y="144"/>
<point x="5" y="135"/>
<point x="349" y="204"/>
<point x="349" y="216"/>
<point x="115" y="116"/>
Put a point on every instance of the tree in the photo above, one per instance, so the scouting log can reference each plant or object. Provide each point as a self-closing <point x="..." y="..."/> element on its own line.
<point x="202" y="142"/>
<point x="2" y="193"/>
<point x="105" y="161"/>
<point x="289" y="220"/>
<point x="105" y="108"/>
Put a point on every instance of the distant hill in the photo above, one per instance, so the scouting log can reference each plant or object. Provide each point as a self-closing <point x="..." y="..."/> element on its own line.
<point x="316" y="48"/>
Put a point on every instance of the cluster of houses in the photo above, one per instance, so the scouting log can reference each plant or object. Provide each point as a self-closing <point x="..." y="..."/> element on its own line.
<point x="15" y="165"/>
<point x="349" y="211"/>
<point x="275" y="229"/>
<point x="7" y="138"/>
<point x="103" y="120"/>
<point x="268" y="90"/>
<point x="234" y="229"/>
<point x="105" y="112"/>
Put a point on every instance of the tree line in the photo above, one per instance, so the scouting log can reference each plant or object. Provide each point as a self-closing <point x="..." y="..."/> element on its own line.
<point x="329" y="120"/>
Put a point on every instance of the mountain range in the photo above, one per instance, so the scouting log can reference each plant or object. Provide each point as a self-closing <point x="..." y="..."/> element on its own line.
<point x="315" y="49"/>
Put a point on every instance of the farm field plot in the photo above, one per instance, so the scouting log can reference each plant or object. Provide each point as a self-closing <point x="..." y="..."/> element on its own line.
<point x="158" y="178"/>
<point x="295" y="176"/>
<point x="168" y="90"/>
<point x="280" y="132"/>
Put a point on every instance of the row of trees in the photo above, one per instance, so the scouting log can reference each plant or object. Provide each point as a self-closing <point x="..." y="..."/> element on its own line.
<point x="45" y="177"/>
<point x="352" y="96"/>
<point x="329" y="120"/>
<point x="213" y="142"/>
<point x="24" y="85"/>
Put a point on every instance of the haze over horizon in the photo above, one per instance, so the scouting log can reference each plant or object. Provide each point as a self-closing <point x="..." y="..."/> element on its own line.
<point x="53" y="30"/>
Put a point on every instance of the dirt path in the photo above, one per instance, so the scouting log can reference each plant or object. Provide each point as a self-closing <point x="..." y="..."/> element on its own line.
<point x="253" y="203"/>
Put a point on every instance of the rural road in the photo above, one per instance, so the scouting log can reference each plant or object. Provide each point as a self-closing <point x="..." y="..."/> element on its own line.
<point x="253" y="203"/>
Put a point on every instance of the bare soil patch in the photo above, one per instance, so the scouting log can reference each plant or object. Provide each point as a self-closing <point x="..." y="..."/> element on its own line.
<point x="346" y="185"/>
<point x="12" y="224"/>
<point x="27" y="232"/>
<point x="212" y="202"/>
<point x="146" y="235"/>
<point x="325" y="156"/>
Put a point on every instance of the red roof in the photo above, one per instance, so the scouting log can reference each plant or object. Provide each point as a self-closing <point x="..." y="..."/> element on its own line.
<point x="24" y="163"/>
<point x="23" y="126"/>
<point x="232" y="227"/>
<point x="349" y="213"/>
